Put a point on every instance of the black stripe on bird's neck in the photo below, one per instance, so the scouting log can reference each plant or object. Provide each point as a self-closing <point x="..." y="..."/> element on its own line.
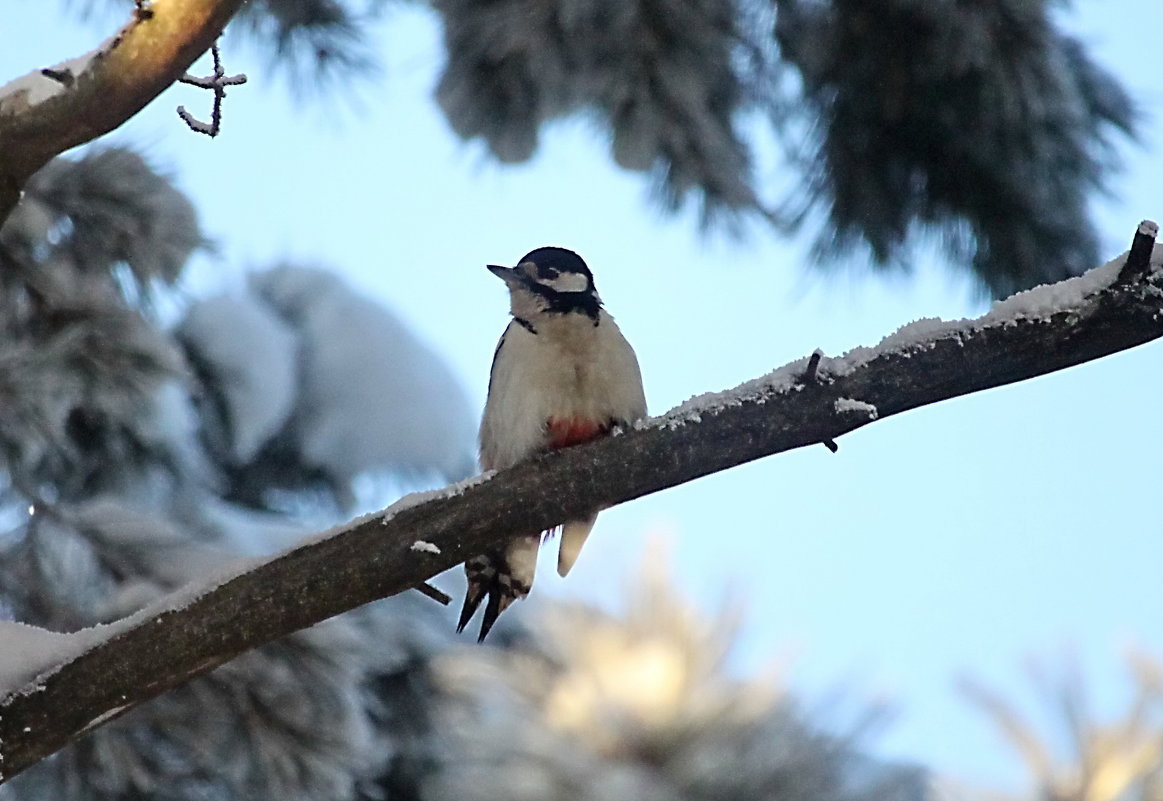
<point x="585" y="303"/>
<point x="528" y="326"/>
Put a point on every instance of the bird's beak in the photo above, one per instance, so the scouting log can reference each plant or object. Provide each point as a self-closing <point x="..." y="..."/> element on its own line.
<point x="510" y="275"/>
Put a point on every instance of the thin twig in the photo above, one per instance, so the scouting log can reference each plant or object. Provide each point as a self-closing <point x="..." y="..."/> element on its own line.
<point x="217" y="83"/>
<point x="64" y="77"/>
<point x="429" y="591"/>
<point x="811" y="376"/>
<point x="1139" y="258"/>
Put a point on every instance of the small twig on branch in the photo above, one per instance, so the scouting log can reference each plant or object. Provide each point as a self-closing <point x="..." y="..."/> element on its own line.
<point x="429" y="591"/>
<point x="217" y="83"/>
<point x="1139" y="259"/>
<point x="810" y="376"/>
<point x="63" y="77"/>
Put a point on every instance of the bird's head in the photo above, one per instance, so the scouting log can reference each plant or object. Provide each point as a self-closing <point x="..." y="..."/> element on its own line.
<point x="550" y="281"/>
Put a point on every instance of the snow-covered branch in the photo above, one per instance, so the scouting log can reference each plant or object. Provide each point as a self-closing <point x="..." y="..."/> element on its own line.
<point x="1109" y="309"/>
<point x="51" y="110"/>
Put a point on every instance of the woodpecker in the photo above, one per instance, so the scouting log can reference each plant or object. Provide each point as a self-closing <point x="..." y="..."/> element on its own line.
<point x="562" y="374"/>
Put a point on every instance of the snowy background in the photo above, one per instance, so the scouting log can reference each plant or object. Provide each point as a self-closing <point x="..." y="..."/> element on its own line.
<point x="970" y="538"/>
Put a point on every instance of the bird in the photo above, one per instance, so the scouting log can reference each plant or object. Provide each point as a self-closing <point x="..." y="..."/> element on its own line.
<point x="562" y="374"/>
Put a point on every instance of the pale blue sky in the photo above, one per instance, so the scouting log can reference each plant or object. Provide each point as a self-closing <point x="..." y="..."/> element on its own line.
<point x="964" y="538"/>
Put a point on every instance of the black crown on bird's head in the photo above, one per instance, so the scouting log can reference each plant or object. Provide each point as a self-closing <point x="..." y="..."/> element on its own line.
<point x="559" y="259"/>
<point x="557" y="275"/>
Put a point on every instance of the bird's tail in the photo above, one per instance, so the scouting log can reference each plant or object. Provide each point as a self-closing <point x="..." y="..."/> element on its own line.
<point x="502" y="575"/>
<point x="573" y="537"/>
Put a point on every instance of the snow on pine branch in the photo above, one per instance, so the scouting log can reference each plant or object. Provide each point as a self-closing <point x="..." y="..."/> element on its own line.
<point x="40" y="85"/>
<point x="1038" y="304"/>
<point x="843" y="405"/>
<point x="30" y="651"/>
<point x="31" y="654"/>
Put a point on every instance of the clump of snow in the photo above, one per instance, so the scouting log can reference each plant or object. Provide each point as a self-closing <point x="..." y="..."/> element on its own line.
<point x="1039" y="303"/>
<point x="28" y="652"/>
<point x="1043" y="301"/>
<point x="424" y="547"/>
<point x="36" y="87"/>
<point x="417" y="498"/>
<point x="29" y="90"/>
<point x="917" y="332"/>
<point x="407" y="502"/>
<point x="371" y="395"/>
<point x="254" y="356"/>
<point x="843" y="405"/>
<point x="171" y="425"/>
<point x="757" y="390"/>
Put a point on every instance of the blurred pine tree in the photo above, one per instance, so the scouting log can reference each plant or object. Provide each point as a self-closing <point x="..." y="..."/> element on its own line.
<point x="981" y="124"/>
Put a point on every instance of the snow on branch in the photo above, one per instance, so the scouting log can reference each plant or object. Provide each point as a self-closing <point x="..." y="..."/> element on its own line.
<point x="51" y="110"/>
<point x="813" y="400"/>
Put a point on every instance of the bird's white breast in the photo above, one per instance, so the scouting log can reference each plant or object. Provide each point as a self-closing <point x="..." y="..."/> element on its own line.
<point x="569" y="369"/>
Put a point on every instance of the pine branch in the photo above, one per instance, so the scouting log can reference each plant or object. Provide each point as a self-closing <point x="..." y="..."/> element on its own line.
<point x="51" y="110"/>
<point x="811" y="401"/>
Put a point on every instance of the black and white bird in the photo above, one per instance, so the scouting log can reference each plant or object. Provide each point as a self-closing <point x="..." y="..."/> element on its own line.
<point x="562" y="374"/>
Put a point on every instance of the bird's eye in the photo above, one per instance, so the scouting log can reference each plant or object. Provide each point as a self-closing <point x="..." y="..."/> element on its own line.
<point x="548" y="273"/>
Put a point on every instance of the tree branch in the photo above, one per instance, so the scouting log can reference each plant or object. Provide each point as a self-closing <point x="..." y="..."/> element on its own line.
<point x="49" y="111"/>
<point x="1107" y="310"/>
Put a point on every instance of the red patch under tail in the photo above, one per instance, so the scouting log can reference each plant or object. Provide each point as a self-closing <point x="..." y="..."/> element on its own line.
<point x="573" y="431"/>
